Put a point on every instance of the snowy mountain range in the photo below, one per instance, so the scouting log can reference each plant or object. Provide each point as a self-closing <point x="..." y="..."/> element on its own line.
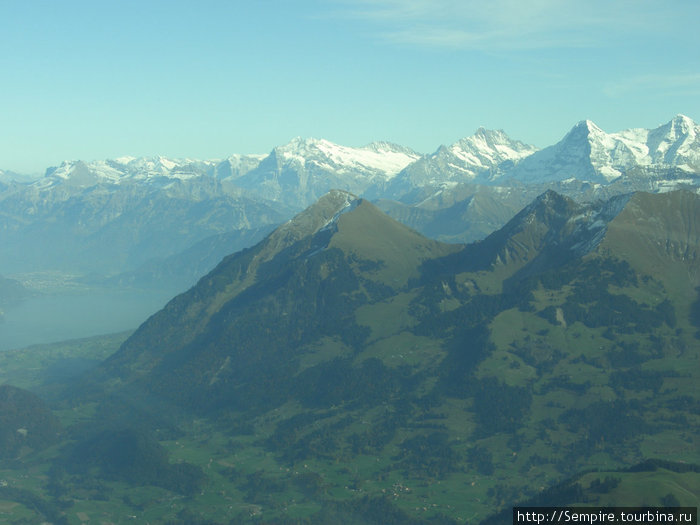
<point x="302" y="171"/>
<point x="588" y="153"/>
<point x="307" y="168"/>
<point x="110" y="216"/>
<point x="156" y="171"/>
<point x="485" y="154"/>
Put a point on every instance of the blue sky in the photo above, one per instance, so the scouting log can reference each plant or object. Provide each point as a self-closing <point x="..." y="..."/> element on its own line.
<point x="99" y="79"/>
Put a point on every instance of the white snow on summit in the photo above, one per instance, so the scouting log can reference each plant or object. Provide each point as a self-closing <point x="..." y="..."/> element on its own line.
<point x="480" y="157"/>
<point x="487" y="149"/>
<point x="302" y="170"/>
<point x="380" y="158"/>
<point x="588" y="153"/>
<point x="122" y="169"/>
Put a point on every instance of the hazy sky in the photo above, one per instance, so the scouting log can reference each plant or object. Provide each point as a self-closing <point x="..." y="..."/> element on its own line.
<point x="98" y="79"/>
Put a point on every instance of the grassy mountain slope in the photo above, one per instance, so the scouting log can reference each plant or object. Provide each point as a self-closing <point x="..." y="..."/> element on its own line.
<point x="659" y="235"/>
<point x="259" y="309"/>
<point x="348" y="370"/>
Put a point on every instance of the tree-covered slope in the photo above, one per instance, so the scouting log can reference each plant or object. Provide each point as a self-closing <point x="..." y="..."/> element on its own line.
<point x="346" y="367"/>
<point x="25" y="422"/>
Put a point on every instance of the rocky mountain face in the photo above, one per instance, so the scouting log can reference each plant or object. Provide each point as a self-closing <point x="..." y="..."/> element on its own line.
<point x="566" y="335"/>
<point x="587" y="153"/>
<point x="483" y="156"/>
<point x="551" y="230"/>
<point x="105" y="228"/>
<point x="300" y="172"/>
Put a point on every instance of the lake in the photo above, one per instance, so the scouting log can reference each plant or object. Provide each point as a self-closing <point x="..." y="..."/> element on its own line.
<point x="52" y="318"/>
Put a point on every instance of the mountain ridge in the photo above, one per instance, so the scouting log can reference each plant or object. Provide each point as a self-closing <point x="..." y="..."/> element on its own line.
<point x="83" y="215"/>
<point x="347" y="365"/>
<point x="669" y="144"/>
<point x="376" y="257"/>
<point x="588" y="153"/>
<point x="331" y="235"/>
<point x="301" y="171"/>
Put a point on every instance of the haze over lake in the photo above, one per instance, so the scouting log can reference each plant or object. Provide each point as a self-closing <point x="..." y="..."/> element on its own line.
<point x="51" y="318"/>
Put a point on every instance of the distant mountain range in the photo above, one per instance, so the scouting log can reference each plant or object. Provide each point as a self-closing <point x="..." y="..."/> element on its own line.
<point x="105" y="218"/>
<point x="587" y="153"/>
<point x="300" y="172"/>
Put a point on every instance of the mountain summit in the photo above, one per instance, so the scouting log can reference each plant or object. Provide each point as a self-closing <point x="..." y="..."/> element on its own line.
<point x="484" y="155"/>
<point x="587" y="153"/>
<point x="262" y="309"/>
<point x="301" y="171"/>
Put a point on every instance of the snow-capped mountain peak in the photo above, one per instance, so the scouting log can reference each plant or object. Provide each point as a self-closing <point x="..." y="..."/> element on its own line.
<point x="585" y="130"/>
<point x="483" y="153"/>
<point x="378" y="158"/>
<point x="588" y="153"/>
<point x="480" y="157"/>
<point x="302" y="170"/>
<point x="590" y="126"/>
<point x="81" y="174"/>
<point x="683" y="124"/>
<point x="383" y="146"/>
<point x="491" y="148"/>
<point x="676" y="143"/>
